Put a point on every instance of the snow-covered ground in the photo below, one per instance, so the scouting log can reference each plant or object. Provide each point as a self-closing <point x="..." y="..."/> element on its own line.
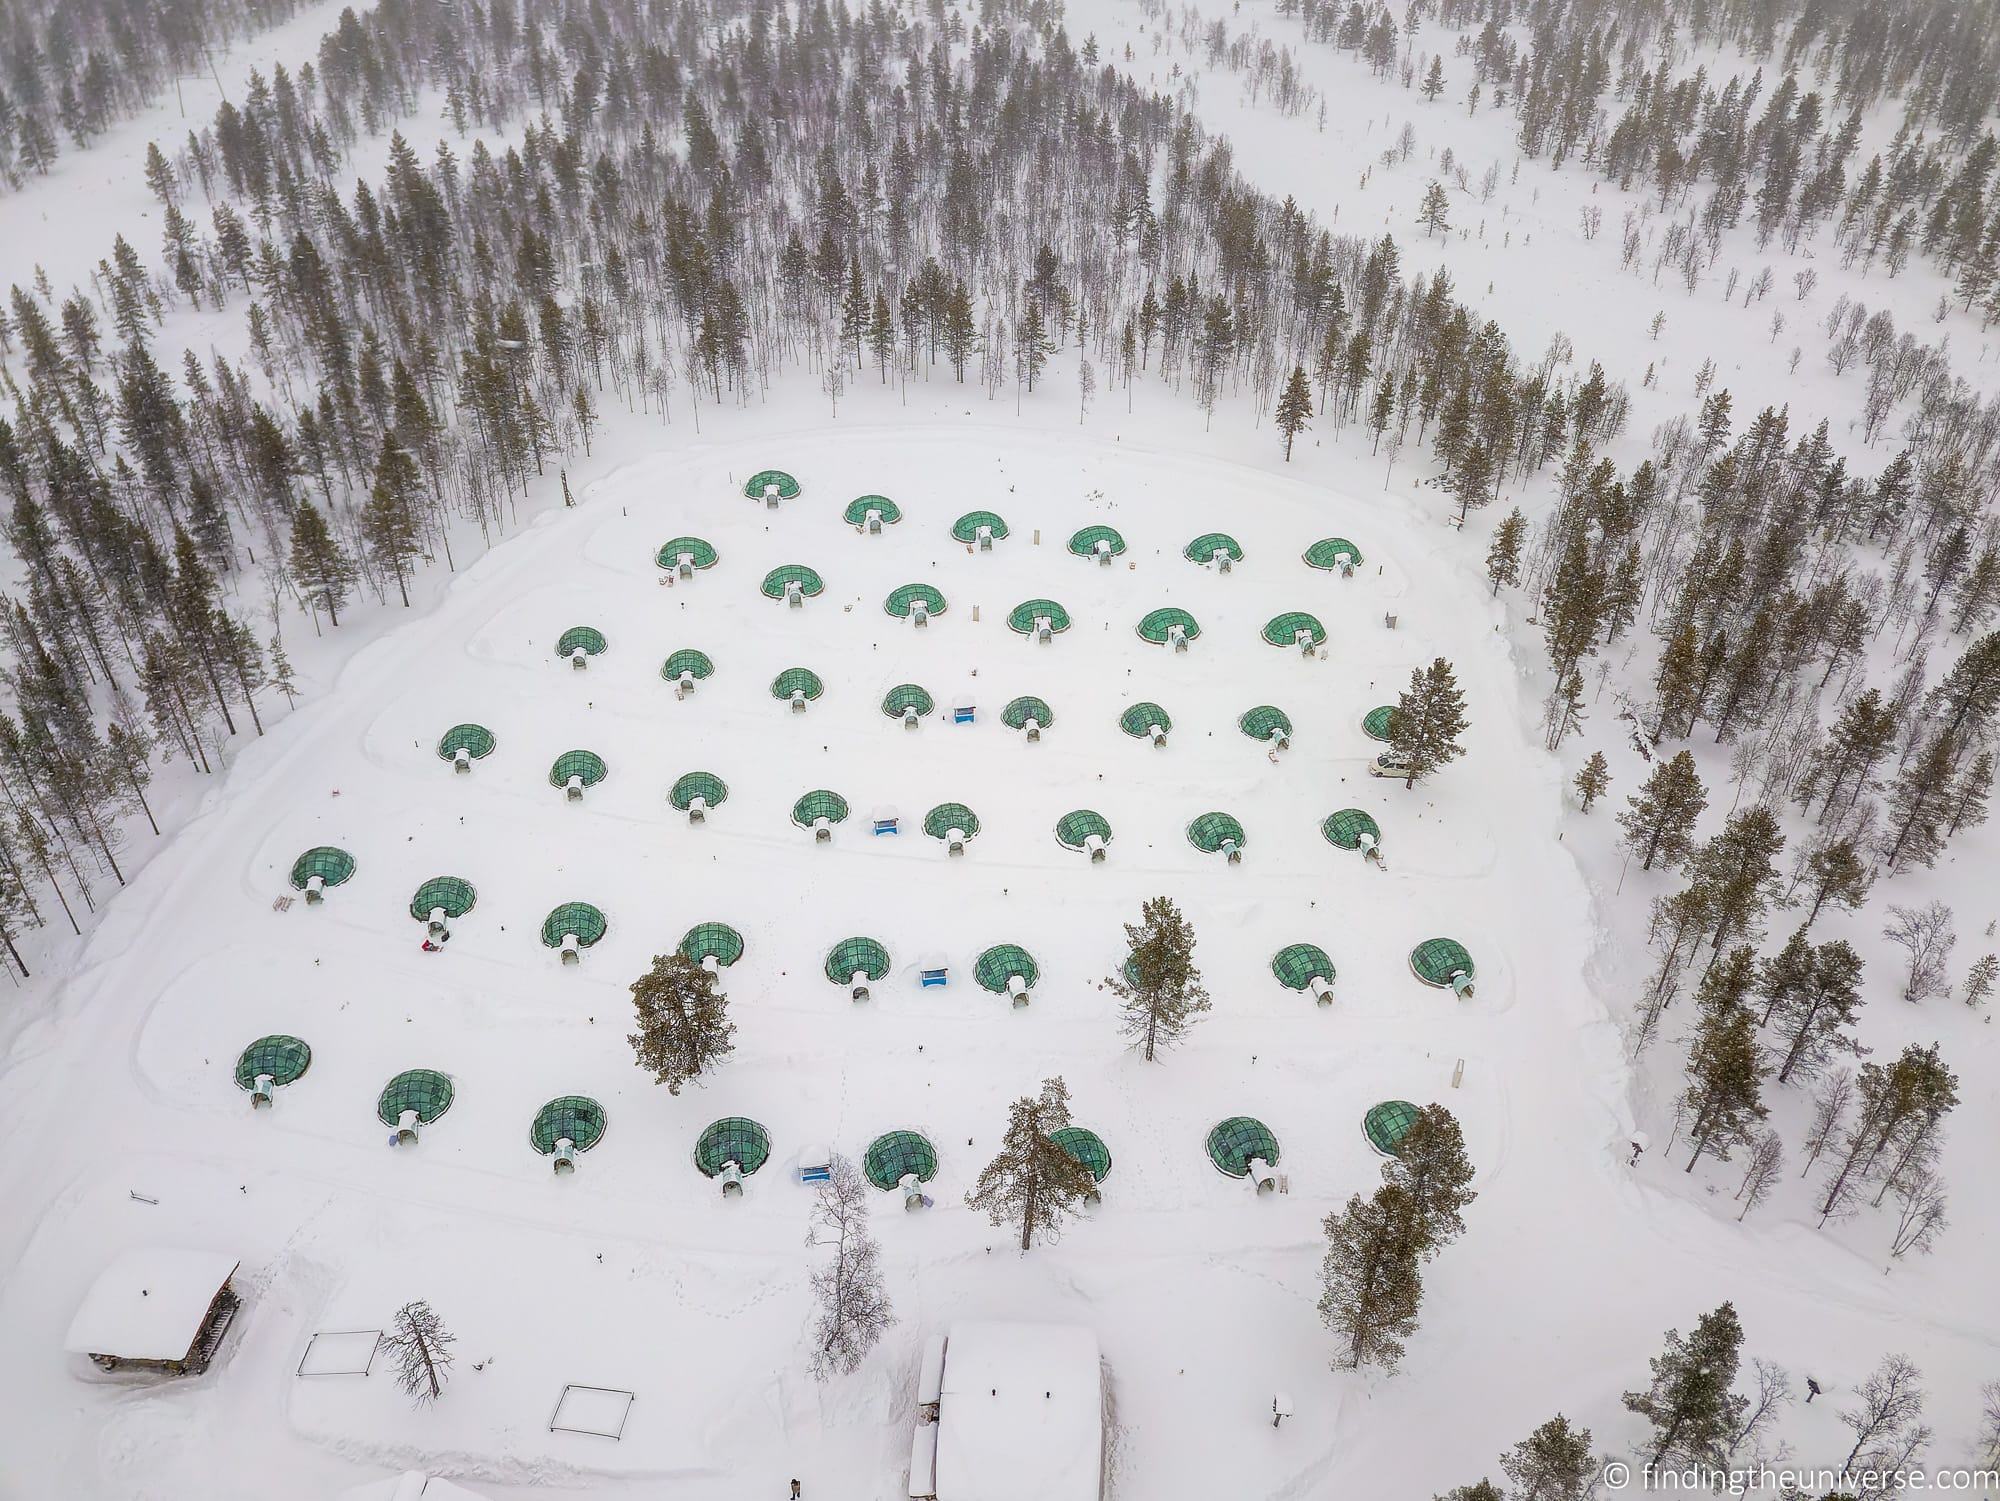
<point x="634" y="1273"/>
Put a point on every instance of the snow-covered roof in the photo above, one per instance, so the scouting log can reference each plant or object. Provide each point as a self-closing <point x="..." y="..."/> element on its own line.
<point x="1021" y="1414"/>
<point x="149" y="1304"/>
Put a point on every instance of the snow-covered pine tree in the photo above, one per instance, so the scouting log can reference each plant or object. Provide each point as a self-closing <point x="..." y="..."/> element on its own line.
<point x="1554" y="1463"/>
<point x="1371" y="1282"/>
<point x="1898" y="1117"/>
<point x="420" y="1348"/>
<point x="1430" y="1166"/>
<point x="1294" y="408"/>
<point x="319" y="563"/>
<point x="684" y="1027"/>
<point x="1503" y="556"/>
<point x="851" y="1304"/>
<point x="1980" y="980"/>
<point x="1593" y="779"/>
<point x="1811" y="1001"/>
<point x="1723" y="1100"/>
<point x="1429" y="719"/>
<point x="1738" y="869"/>
<point x="1033" y="1184"/>
<point x="1659" y="819"/>
<point x="1163" y="994"/>
<point x="1689" y="1402"/>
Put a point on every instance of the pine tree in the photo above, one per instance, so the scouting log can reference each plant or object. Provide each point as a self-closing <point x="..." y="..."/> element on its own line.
<point x="684" y="1027"/>
<point x="1479" y="1490"/>
<point x="1503" y="558"/>
<point x="1593" y="779"/>
<point x="1294" y="407"/>
<point x="1967" y="807"/>
<point x="851" y="1302"/>
<point x="1160" y="991"/>
<point x="1724" y="1096"/>
<point x="1738" y="868"/>
<point x="1033" y="1184"/>
<point x="1553" y="1463"/>
<point x="1812" y="1004"/>
<point x="1435" y="212"/>
<point x="321" y="565"/>
<point x="389" y="520"/>
<point x="1689" y="1402"/>
<point x="1898" y="1112"/>
<point x="420" y="1348"/>
<point x="1433" y="84"/>
<point x="1980" y="980"/>
<point x="1430" y="1166"/>
<point x="1659" y="822"/>
<point x="281" y="672"/>
<point x="1372" y="1280"/>
<point x="1919" y="803"/>
<point x="1032" y="346"/>
<point x="1429" y="719"/>
<point x="1836" y="879"/>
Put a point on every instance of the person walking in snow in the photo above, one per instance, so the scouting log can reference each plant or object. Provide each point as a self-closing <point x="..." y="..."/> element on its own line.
<point x="795" y="1491"/>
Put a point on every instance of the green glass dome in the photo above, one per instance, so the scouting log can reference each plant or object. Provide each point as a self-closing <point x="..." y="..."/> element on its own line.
<point x="1386" y="1124"/>
<point x="698" y="784"/>
<point x="800" y="680"/>
<point x="697" y="552"/>
<point x="857" y="510"/>
<point x="687" y="660"/>
<point x="1284" y="630"/>
<point x="1139" y="720"/>
<point x="584" y="638"/>
<point x="1024" y="615"/>
<point x="1436" y="960"/>
<point x="891" y="1156"/>
<point x="580" y="918"/>
<point x="1204" y="548"/>
<point x="474" y="739"/>
<point x="712" y="940"/>
<point x="1087" y="1147"/>
<point x="423" y="1090"/>
<point x="1266" y="722"/>
<point x="734" y="1138"/>
<point x="809" y="582"/>
<point x="906" y="696"/>
<point x="1212" y="831"/>
<point x="1001" y="963"/>
<point x="1328" y="552"/>
<point x="331" y="865"/>
<point x="1375" y="723"/>
<point x="1299" y="964"/>
<point x="903" y="599"/>
<point x="765" y="480"/>
<point x="853" y="956"/>
<point x="283" y="1057"/>
<point x="1073" y="828"/>
<point x="1234" y="1142"/>
<point x="819" y="804"/>
<point x="575" y="1118"/>
<point x="1154" y="628"/>
<point x="1020" y="710"/>
<point x="945" y="817"/>
<point x="966" y="528"/>
<point x="1084" y="543"/>
<point x="449" y="892"/>
<point x="588" y="766"/>
<point x="1346" y="827"/>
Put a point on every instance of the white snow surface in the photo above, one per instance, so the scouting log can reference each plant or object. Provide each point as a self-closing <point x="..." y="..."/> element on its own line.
<point x="634" y="1272"/>
<point x="148" y="1304"/>
<point x="1021" y="1413"/>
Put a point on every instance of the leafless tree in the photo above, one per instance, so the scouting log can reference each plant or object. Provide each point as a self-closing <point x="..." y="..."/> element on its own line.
<point x="420" y="1346"/>
<point x="1921" y="1216"/>
<point x="1767" y="1158"/>
<point x="1987" y="1454"/>
<point x="853" y="1306"/>
<point x="1774" y="1394"/>
<point x="1836" y="1093"/>
<point x="1892" y="1400"/>
<point x="1925" y="934"/>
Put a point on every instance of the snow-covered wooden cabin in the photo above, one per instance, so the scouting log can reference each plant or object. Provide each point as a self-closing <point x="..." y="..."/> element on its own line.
<point x="1019" y="1413"/>
<point x="156" y="1309"/>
